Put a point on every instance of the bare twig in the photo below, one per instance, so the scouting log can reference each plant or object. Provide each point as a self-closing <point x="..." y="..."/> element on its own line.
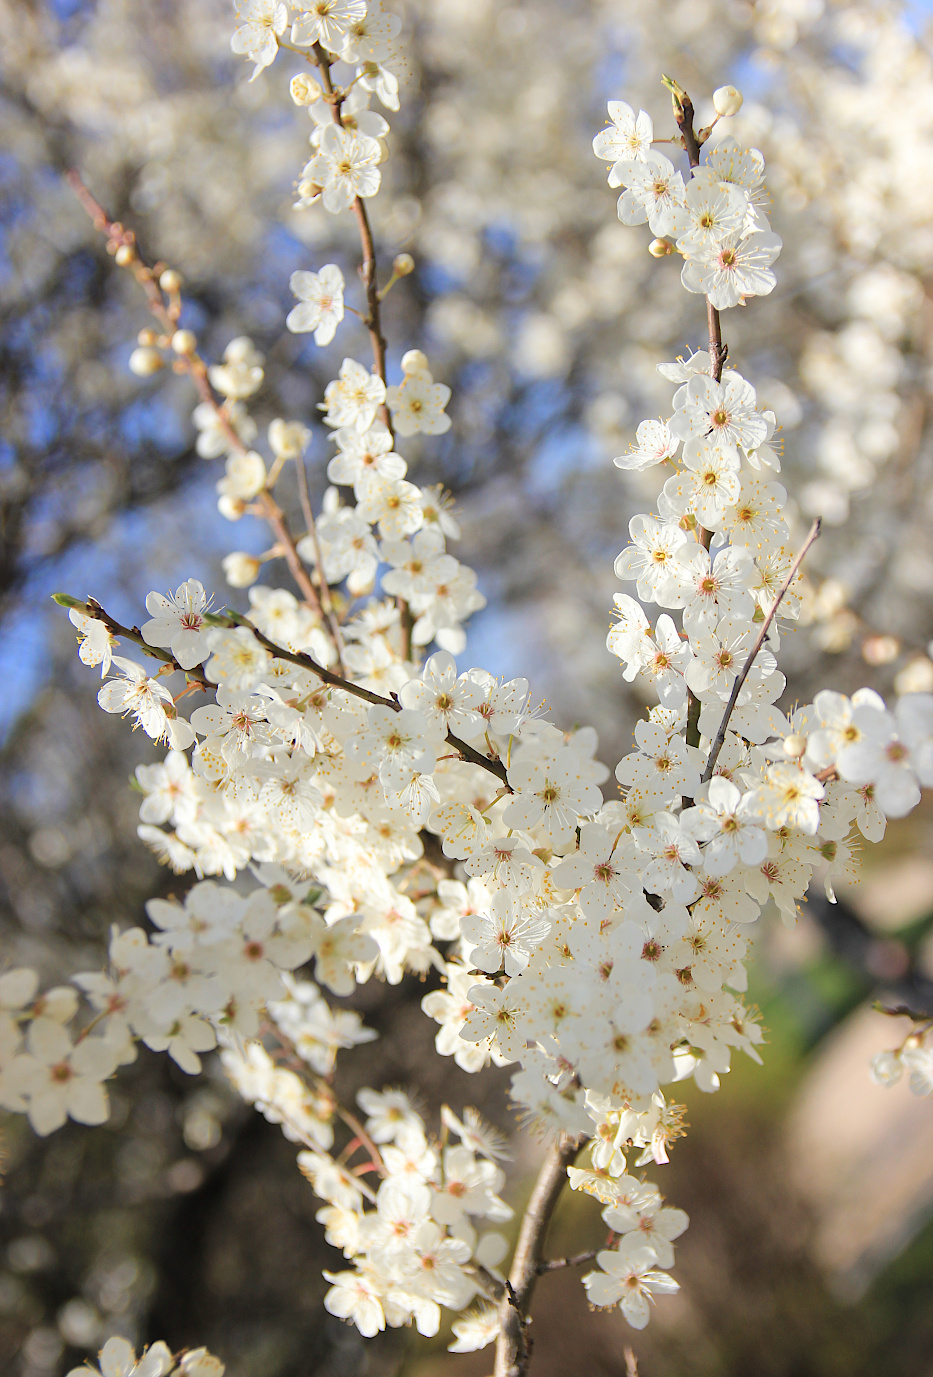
<point x="904" y="1011"/>
<point x="512" y="1346"/>
<point x="554" y="1264"/>
<point x="327" y="602"/>
<point x="762" y="634"/>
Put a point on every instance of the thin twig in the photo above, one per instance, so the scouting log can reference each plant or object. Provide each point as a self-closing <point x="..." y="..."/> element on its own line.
<point x="323" y="1087"/>
<point x="229" y="619"/>
<point x="554" y="1264"/>
<point x="743" y="674"/>
<point x="903" y="1011"/>
<point x="327" y="602"/>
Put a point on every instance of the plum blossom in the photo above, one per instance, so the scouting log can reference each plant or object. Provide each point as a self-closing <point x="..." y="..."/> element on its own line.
<point x="320" y="303"/>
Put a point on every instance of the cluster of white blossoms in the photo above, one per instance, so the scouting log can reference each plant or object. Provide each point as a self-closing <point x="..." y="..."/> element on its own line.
<point x="400" y="815"/>
<point x="347" y="149"/>
<point x="412" y="1239"/>
<point x="118" y="1358"/>
<point x="716" y="220"/>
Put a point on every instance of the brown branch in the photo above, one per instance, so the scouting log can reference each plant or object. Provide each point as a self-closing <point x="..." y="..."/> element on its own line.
<point x="684" y="117"/>
<point x="904" y="1011"/>
<point x="92" y="608"/>
<point x="513" y="1348"/>
<point x="118" y="237"/>
<point x="327" y="602"/>
<point x="323" y="1087"/>
<point x="373" y="318"/>
<point x="743" y="674"/>
<point x="305" y="661"/>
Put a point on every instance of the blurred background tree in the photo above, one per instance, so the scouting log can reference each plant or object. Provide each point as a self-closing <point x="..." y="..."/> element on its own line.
<point x="184" y="1217"/>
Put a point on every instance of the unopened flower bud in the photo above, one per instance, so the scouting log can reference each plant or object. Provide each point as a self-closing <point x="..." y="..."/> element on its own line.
<point x="287" y="439"/>
<point x="413" y="361"/>
<point x="795" y="746"/>
<point x="170" y="281"/>
<point x="880" y="650"/>
<point x="146" y="338"/>
<point x="403" y="264"/>
<point x="184" y="342"/>
<point x="124" y="255"/>
<point x="916" y="677"/>
<point x="727" y="100"/>
<point x="304" y="90"/>
<point x="145" y="362"/>
<point x="243" y="350"/>
<point x="230" y="507"/>
<point x="886" y="1068"/>
<point x="660" y="248"/>
<point x="240" y="570"/>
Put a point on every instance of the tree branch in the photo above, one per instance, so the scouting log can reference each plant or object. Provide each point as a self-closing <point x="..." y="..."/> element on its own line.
<point x="684" y="116"/>
<point x="513" y="1348"/>
<point x="373" y="318"/>
<point x="743" y="674"/>
<point x="305" y="661"/>
<point x="93" y="609"/>
<point x="118" y="237"/>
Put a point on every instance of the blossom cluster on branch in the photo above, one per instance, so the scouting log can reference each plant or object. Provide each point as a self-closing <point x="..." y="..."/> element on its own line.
<point x="400" y="815"/>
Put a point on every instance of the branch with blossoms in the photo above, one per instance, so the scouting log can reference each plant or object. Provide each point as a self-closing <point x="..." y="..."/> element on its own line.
<point x="596" y="946"/>
<point x="247" y="479"/>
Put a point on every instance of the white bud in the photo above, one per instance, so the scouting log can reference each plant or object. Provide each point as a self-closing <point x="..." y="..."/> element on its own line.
<point x="243" y="350"/>
<point x="660" y="248"/>
<point x="915" y="677"/>
<point x="246" y="475"/>
<point x="170" y="281"/>
<point x="145" y="362"/>
<point x="795" y="746"/>
<point x="886" y="1068"/>
<point x="287" y="439"/>
<point x="231" y="507"/>
<point x="880" y="650"/>
<point x="304" y="90"/>
<point x="124" y="255"/>
<point x="727" y="101"/>
<point x="184" y="342"/>
<point x="414" y="362"/>
<point x="199" y="1363"/>
<point x="241" y="569"/>
<point x="403" y="264"/>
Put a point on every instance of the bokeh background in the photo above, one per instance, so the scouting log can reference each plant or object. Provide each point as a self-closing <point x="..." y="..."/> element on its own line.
<point x="810" y="1189"/>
